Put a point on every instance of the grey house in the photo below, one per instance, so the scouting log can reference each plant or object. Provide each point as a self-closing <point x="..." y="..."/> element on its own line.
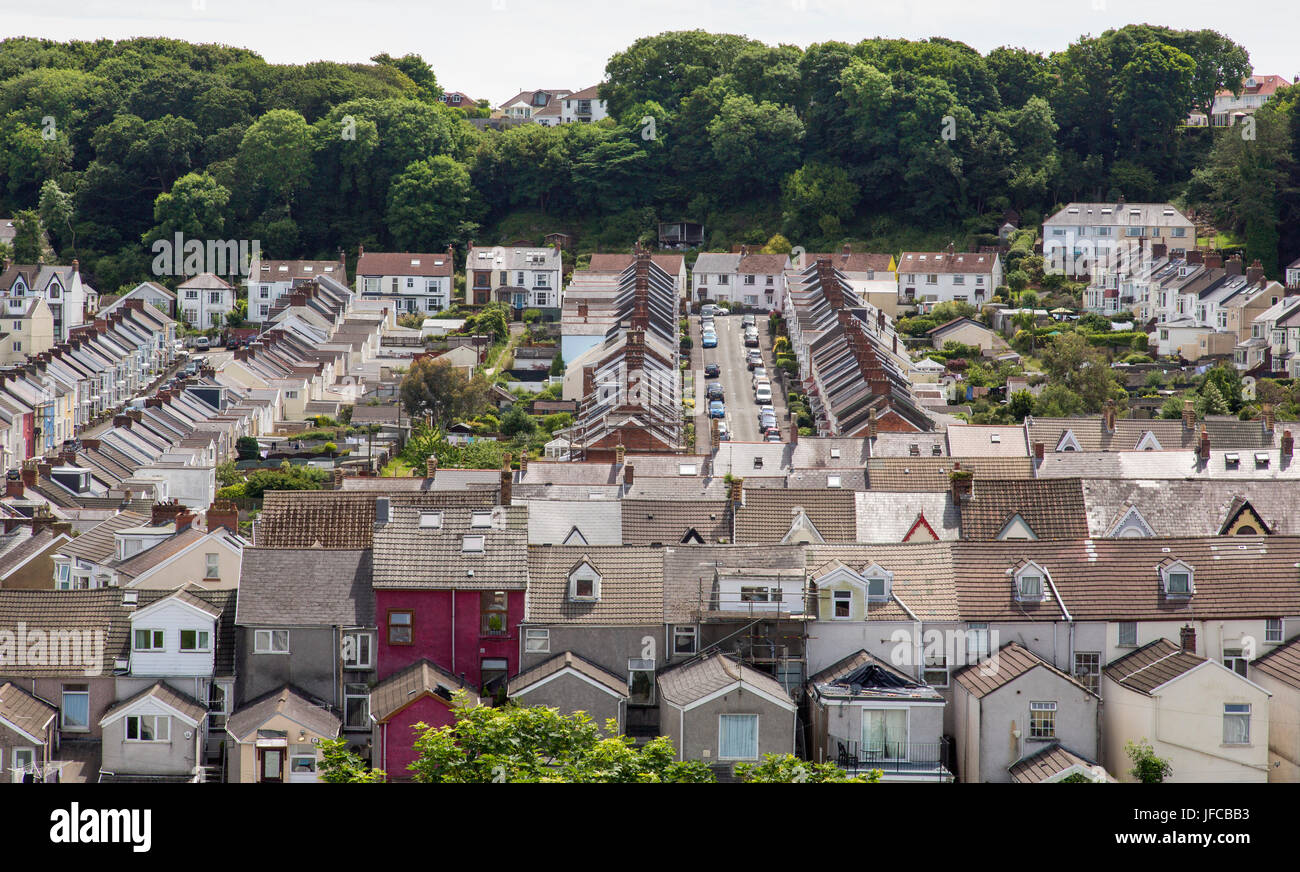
<point x="28" y="734"/>
<point x="1014" y="706"/>
<point x="156" y="735"/>
<point x="864" y="714"/>
<point x="720" y="711"/>
<point x="573" y="684"/>
<point x="605" y="606"/>
<point x="306" y="618"/>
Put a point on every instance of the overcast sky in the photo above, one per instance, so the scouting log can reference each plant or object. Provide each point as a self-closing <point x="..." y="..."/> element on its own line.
<point x="494" y="48"/>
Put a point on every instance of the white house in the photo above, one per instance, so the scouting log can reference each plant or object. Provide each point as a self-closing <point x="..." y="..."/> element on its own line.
<point x="583" y="106"/>
<point x="714" y="275"/>
<point x="542" y="106"/>
<point x="948" y="276"/>
<point x="204" y="301"/>
<point x="274" y="279"/>
<point x="413" y="282"/>
<point x="151" y="293"/>
<point x="59" y="286"/>
<point x="1081" y="233"/>
<point x="1229" y="108"/>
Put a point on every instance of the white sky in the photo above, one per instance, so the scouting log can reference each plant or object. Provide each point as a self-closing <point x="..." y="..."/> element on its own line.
<point x="494" y="48"/>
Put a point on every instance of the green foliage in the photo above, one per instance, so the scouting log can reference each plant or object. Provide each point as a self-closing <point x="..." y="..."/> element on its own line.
<point x="516" y="422"/>
<point x="1147" y="767"/>
<point x="435" y="387"/>
<point x="247" y="448"/>
<point x="789" y="769"/>
<point x="1210" y="401"/>
<point x="261" y="480"/>
<point x="514" y="744"/>
<point x="338" y="765"/>
<point x="1020" y="405"/>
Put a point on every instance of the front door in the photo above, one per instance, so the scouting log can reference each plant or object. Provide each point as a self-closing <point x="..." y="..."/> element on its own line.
<point x="270" y="765"/>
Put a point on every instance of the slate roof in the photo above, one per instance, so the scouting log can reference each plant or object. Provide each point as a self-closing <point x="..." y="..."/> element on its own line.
<point x="977" y="440"/>
<point x="1188" y="508"/>
<point x="363" y="414"/>
<point x="24" y="710"/>
<point x="923" y="585"/>
<point x="696" y="679"/>
<point x="631" y="586"/>
<point x="19" y="547"/>
<point x="669" y="263"/>
<point x="885" y="516"/>
<point x="166" y="694"/>
<point x="667" y="521"/>
<point x="931" y="473"/>
<point x="98" y="545"/>
<point x="286" y="701"/>
<point x="339" y="519"/>
<point x="1011" y="661"/>
<point x="400" y="263"/>
<point x="1053" y="508"/>
<point x="1151" y="666"/>
<point x="1047" y="762"/>
<point x="1091" y="434"/>
<point x="1282" y="663"/>
<point x="552" y="522"/>
<point x="405" y="686"/>
<point x="407" y="555"/>
<point x="567" y="660"/>
<point x="766" y="514"/>
<point x="689" y="571"/>
<point x="305" y="587"/>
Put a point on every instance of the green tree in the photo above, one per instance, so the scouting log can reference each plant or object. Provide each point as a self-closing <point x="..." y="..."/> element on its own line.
<point x="1227" y="380"/>
<point x="1147" y="767"/>
<point x="29" y="236"/>
<point x="195" y="207"/>
<point x="247" y="448"/>
<point x="338" y="765"/>
<point x="56" y="211"/>
<point x="515" y="744"/>
<point x="1021" y="404"/>
<point x="815" y="198"/>
<point x="1057" y="401"/>
<point x="275" y="156"/>
<point x="754" y="144"/>
<point x="1211" y="402"/>
<point x="789" y="769"/>
<point x="517" y="422"/>
<point x="435" y="387"/>
<point x="430" y="203"/>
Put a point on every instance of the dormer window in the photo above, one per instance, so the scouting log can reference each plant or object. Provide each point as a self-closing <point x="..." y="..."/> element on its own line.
<point x="879" y="583"/>
<point x="584" y="583"/>
<point x="1029" y="581"/>
<point x="472" y="545"/>
<point x="842" y="601"/>
<point x="1178" y="579"/>
<point x="1068" y="442"/>
<point x="431" y="519"/>
<point x="481" y="519"/>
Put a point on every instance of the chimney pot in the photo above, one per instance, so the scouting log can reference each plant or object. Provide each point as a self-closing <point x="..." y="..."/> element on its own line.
<point x="1187" y="639"/>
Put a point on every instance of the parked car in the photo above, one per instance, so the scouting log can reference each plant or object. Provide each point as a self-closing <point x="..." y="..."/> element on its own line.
<point x="717" y="409"/>
<point x="749" y="321"/>
<point x="763" y="393"/>
<point x="751" y="339"/>
<point x="773" y="436"/>
<point x="753" y="358"/>
<point x="708" y="310"/>
<point x="766" y="425"/>
<point x="714" y="392"/>
<point x="710" y="340"/>
<point x="202" y="342"/>
<point x="712" y="370"/>
<point x="724" y="435"/>
<point x="706" y="323"/>
<point x="759" y="374"/>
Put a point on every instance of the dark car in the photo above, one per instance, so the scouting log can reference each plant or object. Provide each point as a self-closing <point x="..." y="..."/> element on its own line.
<point x="712" y="370"/>
<point x="714" y="392"/>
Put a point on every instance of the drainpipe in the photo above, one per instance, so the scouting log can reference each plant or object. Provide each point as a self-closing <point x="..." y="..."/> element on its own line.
<point x="453" y="632"/>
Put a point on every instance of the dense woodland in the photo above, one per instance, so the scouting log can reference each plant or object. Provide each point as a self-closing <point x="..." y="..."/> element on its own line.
<point x="107" y="146"/>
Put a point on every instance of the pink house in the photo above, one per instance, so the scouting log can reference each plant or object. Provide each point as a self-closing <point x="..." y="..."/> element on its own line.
<point x="420" y="693"/>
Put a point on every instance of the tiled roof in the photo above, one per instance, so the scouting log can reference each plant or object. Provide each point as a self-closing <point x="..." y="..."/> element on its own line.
<point x="554" y="522"/>
<point x="689" y="571"/>
<point x="1282" y="663"/>
<point x="923" y="586"/>
<point x="763" y="264"/>
<point x="567" y="660"/>
<point x="692" y="681"/>
<point x="1151" y="666"/>
<point x="1053" y="508"/>
<point x="1091" y="435"/>
<point x="669" y="263"/>
<point x="153" y="557"/>
<point x="400" y="263"/>
<point x="987" y="441"/>
<point x="400" y="689"/>
<point x="98" y="545"/>
<point x="667" y="521"/>
<point x="766" y="514"/>
<point x="886" y="516"/>
<point x="1188" y="508"/>
<point x="305" y="586"/>
<point x="288" y="702"/>
<point x="407" y="555"/>
<point x="631" y="585"/>
<point x="300" y="519"/>
<point x="915" y="262"/>
<point x="931" y="473"/>
<point x="1009" y="663"/>
<point x="1050" y="761"/>
<point x="167" y="695"/>
<point x="25" y="711"/>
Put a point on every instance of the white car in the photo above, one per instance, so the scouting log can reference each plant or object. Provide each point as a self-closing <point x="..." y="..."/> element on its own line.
<point x="763" y="393"/>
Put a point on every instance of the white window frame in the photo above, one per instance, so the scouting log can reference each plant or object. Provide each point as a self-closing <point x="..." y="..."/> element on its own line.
<point x="537" y="640"/>
<point x="1120" y="634"/>
<point x="212" y="565"/>
<point x="686" y="631"/>
<point x="838" y="596"/>
<point x="1273" y="630"/>
<point x="202" y="641"/>
<point x="363" y="643"/>
<point x="1236" y="711"/>
<point x="635" y="665"/>
<point x="1235" y="659"/>
<point x="157" y="639"/>
<point x="355" y="691"/>
<point x="1178" y="568"/>
<point x="64" y="693"/>
<point x="264" y="642"/>
<point x="162" y="724"/>
<point x="1036" y="731"/>
<point x="935" y="662"/>
<point x="758" y="723"/>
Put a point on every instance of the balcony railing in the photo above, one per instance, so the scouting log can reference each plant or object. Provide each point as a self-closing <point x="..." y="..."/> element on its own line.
<point x="904" y="759"/>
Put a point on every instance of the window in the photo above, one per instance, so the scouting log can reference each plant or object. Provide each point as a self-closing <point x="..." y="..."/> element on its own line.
<point x="833" y="481"/>
<point x="959" y="280"/>
<point x="492" y="613"/>
<point x="641" y="682"/>
<point x="1029" y="584"/>
<point x="148" y="640"/>
<point x="23" y="758"/>
<point x="1042" y="720"/>
<point x="356" y="706"/>
<point x="1087" y="669"/>
<point x="1178" y="580"/>
<point x="472" y="545"/>
<point x="584" y="583"/>
<point x="936" y="669"/>
<point x="754" y="594"/>
<point x="302" y="764"/>
<point x="218" y="700"/>
<point x="878" y="584"/>
<point x="400" y="627"/>
<point x="685" y="639"/>
<point x="1236" y="724"/>
<point x="76" y="707"/>
<point x="749" y="280"/>
<point x="932" y="279"/>
<point x="977" y="643"/>
<point x="1273" y="630"/>
<point x="271" y="642"/>
<point x="537" y="641"/>
<point x="737" y="737"/>
<point x="842" y="601"/>
<point x="148" y="728"/>
<point x="358" y="650"/>
<point x="1128" y="634"/>
<point x="1233" y="659"/>
<point x="18" y="346"/>
<point x="212" y="566"/>
<point x="481" y="519"/>
<point x="431" y="519"/>
<point x="196" y="640"/>
<point x="493" y="672"/>
<point x="884" y="734"/>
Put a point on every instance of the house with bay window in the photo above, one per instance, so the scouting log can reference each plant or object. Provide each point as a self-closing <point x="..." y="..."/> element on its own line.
<point x="413" y="282"/>
<point x="204" y="301"/>
<point x="519" y="277"/>
<point x="59" y="286"/>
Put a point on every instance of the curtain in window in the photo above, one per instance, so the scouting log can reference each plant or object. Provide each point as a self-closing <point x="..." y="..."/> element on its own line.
<point x="884" y="734"/>
<point x="1236" y="729"/>
<point x="76" y="710"/>
<point x="739" y="739"/>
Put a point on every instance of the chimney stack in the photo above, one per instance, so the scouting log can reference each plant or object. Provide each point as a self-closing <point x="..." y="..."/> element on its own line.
<point x="737" y="492"/>
<point x="506" y="478"/>
<point x="872" y="427"/>
<point x="629" y="472"/>
<point x="223" y="513"/>
<point x="1268" y="418"/>
<point x="1255" y="274"/>
<point x="166" y="513"/>
<point x="1039" y="449"/>
<point x="1233" y="265"/>
<point x="1189" y="415"/>
<point x="1109" y="416"/>
<point x="14" y="484"/>
<point x="963" y="483"/>
<point x="1288" y="445"/>
<point x="523" y="465"/>
<point x="30" y="476"/>
<point x="338" y="478"/>
<point x="430" y="466"/>
<point x="1204" y="451"/>
<point x="619" y="453"/>
<point x="1187" y="639"/>
<point x="1195" y="257"/>
<point x="794" y="429"/>
<point x="848" y="249"/>
<point x="1213" y="260"/>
